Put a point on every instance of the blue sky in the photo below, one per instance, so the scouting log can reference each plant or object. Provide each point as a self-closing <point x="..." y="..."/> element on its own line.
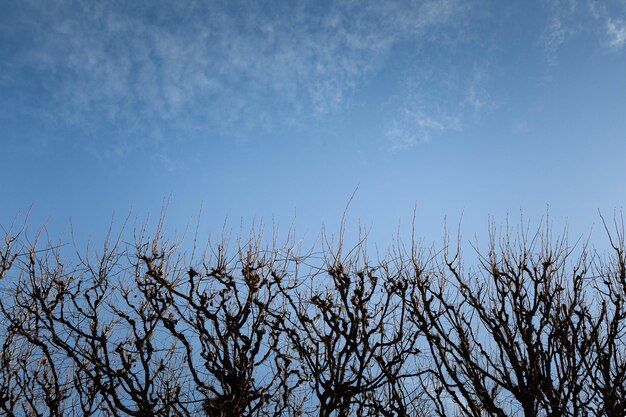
<point x="281" y="109"/>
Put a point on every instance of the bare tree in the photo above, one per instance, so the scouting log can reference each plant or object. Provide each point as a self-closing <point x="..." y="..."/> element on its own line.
<point x="606" y="363"/>
<point x="536" y="327"/>
<point x="219" y="312"/>
<point x="95" y="339"/>
<point x="510" y="336"/>
<point x="347" y="324"/>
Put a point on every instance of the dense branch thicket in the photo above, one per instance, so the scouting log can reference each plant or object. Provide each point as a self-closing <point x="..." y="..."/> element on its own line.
<point x="535" y="327"/>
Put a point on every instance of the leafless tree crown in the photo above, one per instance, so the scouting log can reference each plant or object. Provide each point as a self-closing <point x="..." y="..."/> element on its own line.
<point x="535" y="327"/>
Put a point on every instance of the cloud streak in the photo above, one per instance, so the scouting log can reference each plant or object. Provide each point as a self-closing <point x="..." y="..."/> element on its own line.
<point x="198" y="68"/>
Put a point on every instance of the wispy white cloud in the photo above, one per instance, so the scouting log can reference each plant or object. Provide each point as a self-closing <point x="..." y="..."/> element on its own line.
<point x="554" y="37"/>
<point x="610" y="16"/>
<point x="440" y="98"/>
<point x="199" y="67"/>
<point x="428" y="105"/>
<point x="616" y="32"/>
<point x="570" y="18"/>
<point x="562" y="25"/>
<point x="419" y="126"/>
<point x="477" y="95"/>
